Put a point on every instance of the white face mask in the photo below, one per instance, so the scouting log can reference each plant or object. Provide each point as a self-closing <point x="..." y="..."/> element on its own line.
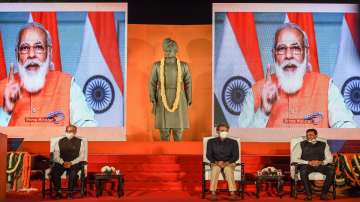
<point x="69" y="135"/>
<point x="223" y="134"/>
<point x="313" y="141"/>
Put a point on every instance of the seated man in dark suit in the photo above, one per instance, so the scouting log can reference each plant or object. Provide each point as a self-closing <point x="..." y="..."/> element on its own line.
<point x="222" y="152"/>
<point x="314" y="156"/>
<point x="68" y="154"/>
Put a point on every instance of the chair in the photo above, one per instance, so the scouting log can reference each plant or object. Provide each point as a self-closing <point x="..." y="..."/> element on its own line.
<point x="295" y="175"/>
<point x="39" y="165"/>
<point x="81" y="174"/>
<point x="206" y="170"/>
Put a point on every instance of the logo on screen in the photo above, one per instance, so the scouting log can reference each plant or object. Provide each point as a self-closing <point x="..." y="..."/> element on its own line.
<point x="351" y="92"/>
<point x="99" y="93"/>
<point x="234" y="92"/>
<point x="56" y="116"/>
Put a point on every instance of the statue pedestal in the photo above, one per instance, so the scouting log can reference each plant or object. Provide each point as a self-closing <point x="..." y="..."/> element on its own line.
<point x="3" y="150"/>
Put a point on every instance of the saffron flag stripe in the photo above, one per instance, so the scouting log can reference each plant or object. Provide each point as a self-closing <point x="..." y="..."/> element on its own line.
<point x="306" y="22"/>
<point x="244" y="28"/>
<point x="3" y="74"/>
<point x="351" y="20"/>
<point x="49" y="21"/>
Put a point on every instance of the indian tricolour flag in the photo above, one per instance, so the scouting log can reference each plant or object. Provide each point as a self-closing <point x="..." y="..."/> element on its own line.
<point x="238" y="64"/>
<point x="99" y="71"/>
<point x="346" y="73"/>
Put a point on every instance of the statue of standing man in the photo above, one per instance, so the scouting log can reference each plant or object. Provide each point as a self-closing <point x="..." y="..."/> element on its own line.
<point x="170" y="92"/>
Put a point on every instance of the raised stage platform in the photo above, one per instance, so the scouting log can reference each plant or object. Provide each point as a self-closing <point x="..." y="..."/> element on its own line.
<point x="167" y="167"/>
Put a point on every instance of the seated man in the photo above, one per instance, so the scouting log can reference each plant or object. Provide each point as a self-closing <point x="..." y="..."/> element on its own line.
<point x="68" y="154"/>
<point x="314" y="156"/>
<point x="222" y="152"/>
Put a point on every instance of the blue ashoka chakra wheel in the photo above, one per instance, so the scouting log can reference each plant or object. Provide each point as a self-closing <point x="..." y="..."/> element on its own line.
<point x="351" y="92"/>
<point x="99" y="93"/>
<point x="234" y="92"/>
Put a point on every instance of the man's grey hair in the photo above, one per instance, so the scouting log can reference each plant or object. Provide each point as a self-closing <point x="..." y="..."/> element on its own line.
<point x="34" y="25"/>
<point x="48" y="39"/>
<point x="290" y="25"/>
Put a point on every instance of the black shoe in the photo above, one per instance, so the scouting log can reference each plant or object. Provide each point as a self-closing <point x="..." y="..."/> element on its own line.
<point x="70" y="196"/>
<point x="58" y="196"/>
<point x="324" y="197"/>
<point x="308" y="198"/>
<point x="232" y="196"/>
<point x="213" y="197"/>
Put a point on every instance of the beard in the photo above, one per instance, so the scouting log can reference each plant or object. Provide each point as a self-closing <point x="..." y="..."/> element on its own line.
<point x="291" y="81"/>
<point x="34" y="81"/>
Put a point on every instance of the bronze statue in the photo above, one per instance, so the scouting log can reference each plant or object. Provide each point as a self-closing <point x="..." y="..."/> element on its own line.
<point x="170" y="92"/>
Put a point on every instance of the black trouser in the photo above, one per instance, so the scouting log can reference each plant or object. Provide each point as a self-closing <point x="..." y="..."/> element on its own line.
<point x="327" y="170"/>
<point x="59" y="169"/>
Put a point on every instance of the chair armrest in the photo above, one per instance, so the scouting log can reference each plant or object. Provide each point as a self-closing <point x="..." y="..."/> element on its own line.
<point x="39" y="162"/>
<point x="45" y="164"/>
<point x="82" y="171"/>
<point x="83" y="163"/>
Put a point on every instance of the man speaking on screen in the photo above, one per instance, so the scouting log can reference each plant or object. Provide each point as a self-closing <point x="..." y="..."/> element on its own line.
<point x="37" y="95"/>
<point x="294" y="96"/>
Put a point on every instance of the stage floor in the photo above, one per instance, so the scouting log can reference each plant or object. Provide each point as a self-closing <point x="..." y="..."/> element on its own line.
<point x="164" y="196"/>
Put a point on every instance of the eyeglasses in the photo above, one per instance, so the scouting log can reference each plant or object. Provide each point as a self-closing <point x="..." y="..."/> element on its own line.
<point x="295" y="50"/>
<point x="38" y="48"/>
<point x="70" y="131"/>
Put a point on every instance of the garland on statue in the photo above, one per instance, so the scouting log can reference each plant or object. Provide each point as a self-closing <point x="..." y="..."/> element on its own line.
<point x="162" y="86"/>
<point x="15" y="164"/>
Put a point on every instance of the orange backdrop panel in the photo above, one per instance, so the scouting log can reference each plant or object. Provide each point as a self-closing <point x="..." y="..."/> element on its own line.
<point x="144" y="48"/>
<point x="3" y="149"/>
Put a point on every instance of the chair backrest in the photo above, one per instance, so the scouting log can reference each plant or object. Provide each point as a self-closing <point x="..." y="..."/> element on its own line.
<point x="297" y="140"/>
<point x="205" y="141"/>
<point x="55" y="140"/>
<point x="293" y="143"/>
<point x="237" y="171"/>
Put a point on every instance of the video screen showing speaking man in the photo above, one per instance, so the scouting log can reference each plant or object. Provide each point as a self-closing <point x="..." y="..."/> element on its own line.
<point x="286" y="70"/>
<point x="61" y="68"/>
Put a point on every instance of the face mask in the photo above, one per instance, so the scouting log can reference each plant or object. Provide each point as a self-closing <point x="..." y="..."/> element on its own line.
<point x="69" y="135"/>
<point x="223" y="134"/>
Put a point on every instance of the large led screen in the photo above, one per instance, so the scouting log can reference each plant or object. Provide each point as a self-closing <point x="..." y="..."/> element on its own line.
<point x="63" y="64"/>
<point x="286" y="66"/>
